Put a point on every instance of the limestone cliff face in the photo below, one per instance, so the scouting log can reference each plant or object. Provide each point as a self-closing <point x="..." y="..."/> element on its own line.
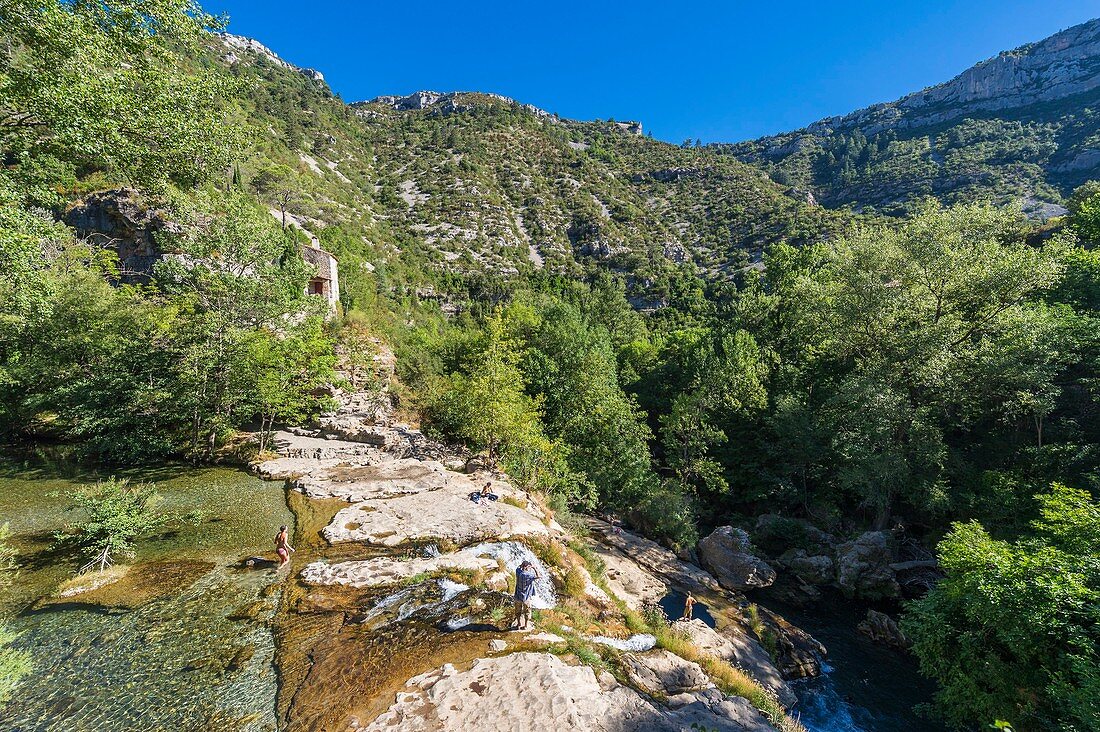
<point x="1060" y="66"/>
<point x="239" y="46"/>
<point x="1017" y="128"/>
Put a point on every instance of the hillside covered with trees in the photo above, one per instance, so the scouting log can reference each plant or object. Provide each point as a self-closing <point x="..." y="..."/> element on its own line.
<point x="628" y="326"/>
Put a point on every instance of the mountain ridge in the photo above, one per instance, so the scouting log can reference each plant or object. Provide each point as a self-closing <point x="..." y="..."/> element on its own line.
<point x="1016" y="128"/>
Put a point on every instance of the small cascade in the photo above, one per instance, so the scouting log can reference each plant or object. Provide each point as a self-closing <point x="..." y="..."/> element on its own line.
<point x="639" y="642"/>
<point x="513" y="554"/>
<point x="451" y="589"/>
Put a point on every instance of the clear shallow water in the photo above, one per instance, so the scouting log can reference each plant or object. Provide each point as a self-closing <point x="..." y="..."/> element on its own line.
<point x="200" y="658"/>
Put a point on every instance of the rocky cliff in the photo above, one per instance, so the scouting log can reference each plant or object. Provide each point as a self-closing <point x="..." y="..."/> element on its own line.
<point x="1016" y="127"/>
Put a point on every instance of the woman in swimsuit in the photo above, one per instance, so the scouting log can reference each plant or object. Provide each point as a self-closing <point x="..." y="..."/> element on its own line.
<point x="282" y="546"/>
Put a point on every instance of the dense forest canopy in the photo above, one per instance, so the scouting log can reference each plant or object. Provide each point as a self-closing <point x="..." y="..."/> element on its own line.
<point x="937" y="373"/>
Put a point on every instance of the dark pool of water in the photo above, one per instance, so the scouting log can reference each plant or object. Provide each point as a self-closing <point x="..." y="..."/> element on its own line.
<point x="673" y="605"/>
<point x="866" y="687"/>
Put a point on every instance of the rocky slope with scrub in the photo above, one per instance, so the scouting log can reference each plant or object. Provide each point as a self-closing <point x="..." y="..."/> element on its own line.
<point x="398" y="607"/>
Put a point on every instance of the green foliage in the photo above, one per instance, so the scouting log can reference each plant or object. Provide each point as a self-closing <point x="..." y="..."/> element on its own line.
<point x="133" y="374"/>
<point x="100" y="85"/>
<point x="1084" y="208"/>
<point x="1011" y="632"/>
<point x="114" y="514"/>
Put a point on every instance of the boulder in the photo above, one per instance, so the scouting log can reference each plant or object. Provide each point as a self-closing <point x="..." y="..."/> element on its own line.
<point x="818" y="569"/>
<point x="727" y="554"/>
<point x="863" y="567"/>
<point x="534" y="692"/>
<point x="797" y="654"/>
<point x="664" y="673"/>
<point x="735" y="645"/>
<point x="881" y="628"/>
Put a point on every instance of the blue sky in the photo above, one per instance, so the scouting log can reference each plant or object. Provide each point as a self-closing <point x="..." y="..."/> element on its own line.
<point x="719" y="71"/>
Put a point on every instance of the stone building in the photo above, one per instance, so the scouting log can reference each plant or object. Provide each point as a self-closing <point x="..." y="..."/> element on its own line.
<point x="326" y="281"/>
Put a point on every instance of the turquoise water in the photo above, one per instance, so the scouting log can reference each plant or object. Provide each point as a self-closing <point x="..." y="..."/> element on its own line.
<point x="200" y="658"/>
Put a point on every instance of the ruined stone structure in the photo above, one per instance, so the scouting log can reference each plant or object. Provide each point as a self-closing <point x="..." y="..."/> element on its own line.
<point x="326" y="281"/>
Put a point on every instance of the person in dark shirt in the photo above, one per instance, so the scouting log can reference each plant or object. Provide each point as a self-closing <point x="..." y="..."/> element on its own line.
<point x="526" y="576"/>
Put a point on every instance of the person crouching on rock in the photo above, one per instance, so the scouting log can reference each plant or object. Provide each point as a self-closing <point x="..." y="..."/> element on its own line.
<point x="485" y="494"/>
<point x="282" y="546"/>
<point x="526" y="575"/>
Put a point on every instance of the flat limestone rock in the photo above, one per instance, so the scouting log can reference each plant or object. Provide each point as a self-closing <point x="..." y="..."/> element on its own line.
<point x="390" y="571"/>
<point x="445" y="515"/>
<point x="630" y="583"/>
<point x="359" y="482"/>
<point x="740" y="649"/>
<point x="654" y="557"/>
<point x="288" y="468"/>
<point x="288" y="444"/>
<point x="534" y="692"/>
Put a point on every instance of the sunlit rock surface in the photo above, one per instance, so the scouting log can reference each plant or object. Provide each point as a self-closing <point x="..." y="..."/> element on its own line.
<point x="539" y="691"/>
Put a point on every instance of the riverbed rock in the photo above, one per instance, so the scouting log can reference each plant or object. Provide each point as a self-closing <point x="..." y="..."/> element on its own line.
<point x="382" y="571"/>
<point x="727" y="553"/>
<point x="535" y="692"/>
<point x="863" y="567"/>
<point x="661" y="672"/>
<point x="881" y="628"/>
<point x="443" y="516"/>
<point x="130" y="587"/>
<point x="797" y="654"/>
<point x="735" y="645"/>
<point x="654" y="558"/>
<point x="818" y="569"/>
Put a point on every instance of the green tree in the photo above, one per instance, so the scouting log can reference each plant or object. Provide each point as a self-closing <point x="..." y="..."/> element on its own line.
<point x="102" y="84"/>
<point x="1084" y="212"/>
<point x="113" y="514"/>
<point x="285" y="371"/>
<point x="1011" y="632"/>
<point x="487" y="404"/>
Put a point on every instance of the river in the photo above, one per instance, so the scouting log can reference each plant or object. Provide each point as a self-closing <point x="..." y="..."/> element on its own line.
<point x="198" y="657"/>
<point x="866" y="687"/>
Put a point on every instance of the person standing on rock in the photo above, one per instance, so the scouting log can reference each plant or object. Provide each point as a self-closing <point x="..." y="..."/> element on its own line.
<point x="689" y="607"/>
<point x="526" y="576"/>
<point x="282" y="546"/>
